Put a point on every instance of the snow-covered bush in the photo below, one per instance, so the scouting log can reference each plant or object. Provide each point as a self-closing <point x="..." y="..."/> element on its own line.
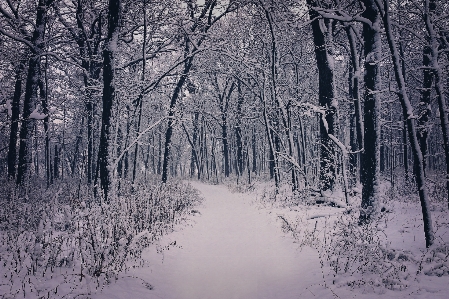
<point x="359" y="255"/>
<point x="52" y="245"/>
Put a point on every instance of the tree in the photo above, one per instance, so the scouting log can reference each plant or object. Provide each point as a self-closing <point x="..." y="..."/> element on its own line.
<point x="411" y="126"/>
<point x="37" y="47"/>
<point x="322" y="29"/>
<point x="202" y="22"/>
<point x="108" y="99"/>
<point x="431" y="59"/>
<point x="371" y="156"/>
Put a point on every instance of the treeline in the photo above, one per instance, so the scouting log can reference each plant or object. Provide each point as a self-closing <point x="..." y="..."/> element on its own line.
<point x="321" y="95"/>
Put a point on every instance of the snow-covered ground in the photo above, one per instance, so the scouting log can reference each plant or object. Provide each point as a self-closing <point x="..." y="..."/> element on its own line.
<point x="230" y="250"/>
<point x="235" y="248"/>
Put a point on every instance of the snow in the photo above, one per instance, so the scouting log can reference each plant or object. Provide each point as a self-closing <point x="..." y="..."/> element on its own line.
<point x="37" y="115"/>
<point x="8" y="106"/>
<point x="230" y="249"/>
<point x="235" y="245"/>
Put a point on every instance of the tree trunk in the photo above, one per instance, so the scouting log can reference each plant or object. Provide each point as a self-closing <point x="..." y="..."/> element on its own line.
<point x="430" y="6"/>
<point x="159" y="156"/>
<point x="15" y="114"/>
<point x="44" y="102"/>
<point x="327" y="99"/>
<point x="254" y="151"/>
<point x="88" y="50"/>
<point x="405" y="150"/>
<point x="224" y="137"/>
<point x="371" y="157"/>
<point x="194" y="159"/>
<point x="238" y="130"/>
<point x="409" y="117"/>
<point x="357" y="129"/>
<point x="282" y="112"/>
<point x="404" y="133"/>
<point x="109" y="53"/>
<point x="171" y="115"/>
<point x="140" y="99"/>
<point x="56" y="162"/>
<point x="31" y="96"/>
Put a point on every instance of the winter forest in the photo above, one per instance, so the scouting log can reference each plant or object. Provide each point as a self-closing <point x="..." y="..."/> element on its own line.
<point x="224" y="149"/>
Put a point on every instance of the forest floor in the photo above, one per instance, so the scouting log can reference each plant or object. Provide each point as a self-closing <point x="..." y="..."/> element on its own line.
<point x="235" y="247"/>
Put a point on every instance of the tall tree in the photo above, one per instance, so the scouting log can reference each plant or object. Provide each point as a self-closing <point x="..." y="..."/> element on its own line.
<point x="370" y="167"/>
<point x="432" y="53"/>
<point x="109" y="95"/>
<point x="37" y="47"/>
<point x="15" y="114"/>
<point x="322" y="30"/>
<point x="407" y="111"/>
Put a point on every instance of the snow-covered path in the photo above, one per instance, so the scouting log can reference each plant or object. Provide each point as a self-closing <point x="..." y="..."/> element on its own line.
<point x="232" y="250"/>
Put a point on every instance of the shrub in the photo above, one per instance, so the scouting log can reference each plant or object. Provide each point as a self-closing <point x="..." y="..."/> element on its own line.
<point x="60" y="241"/>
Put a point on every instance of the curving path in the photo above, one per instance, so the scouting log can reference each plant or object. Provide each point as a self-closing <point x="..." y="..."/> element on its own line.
<point x="232" y="250"/>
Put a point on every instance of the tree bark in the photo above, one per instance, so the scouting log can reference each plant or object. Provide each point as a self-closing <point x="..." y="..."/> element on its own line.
<point x="370" y="171"/>
<point x="238" y="130"/>
<point x="15" y="114"/>
<point x="108" y="99"/>
<point x="194" y="159"/>
<point x="357" y="129"/>
<point x="171" y="114"/>
<point x="429" y="10"/>
<point x="409" y="117"/>
<point x="31" y="95"/>
<point x="327" y="99"/>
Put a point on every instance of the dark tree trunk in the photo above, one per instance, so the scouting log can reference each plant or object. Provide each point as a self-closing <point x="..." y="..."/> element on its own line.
<point x="408" y="116"/>
<point x="194" y="160"/>
<point x="405" y="144"/>
<point x="140" y="99"/>
<point x="271" y="161"/>
<point x="119" y="150"/>
<point x="254" y="147"/>
<point x="56" y="162"/>
<point x="31" y="96"/>
<point x="44" y="101"/>
<point x="89" y="50"/>
<point x="26" y="130"/>
<point x="425" y="111"/>
<point x="105" y="147"/>
<point x="171" y="115"/>
<point x="94" y="71"/>
<point x="357" y="130"/>
<point x="224" y="137"/>
<point x="303" y="150"/>
<point x="405" y="150"/>
<point x="327" y="100"/>
<point x="79" y="138"/>
<point x="159" y="156"/>
<point x="238" y="130"/>
<point x="15" y="114"/>
<point x="370" y="171"/>
<point x="430" y="6"/>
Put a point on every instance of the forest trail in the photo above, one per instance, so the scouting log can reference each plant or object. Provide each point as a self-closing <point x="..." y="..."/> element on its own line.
<point x="232" y="250"/>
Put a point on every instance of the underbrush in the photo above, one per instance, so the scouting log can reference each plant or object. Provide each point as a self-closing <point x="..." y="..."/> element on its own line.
<point x="242" y="184"/>
<point x="360" y="256"/>
<point x="284" y="197"/>
<point x="60" y="242"/>
<point x="386" y="254"/>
